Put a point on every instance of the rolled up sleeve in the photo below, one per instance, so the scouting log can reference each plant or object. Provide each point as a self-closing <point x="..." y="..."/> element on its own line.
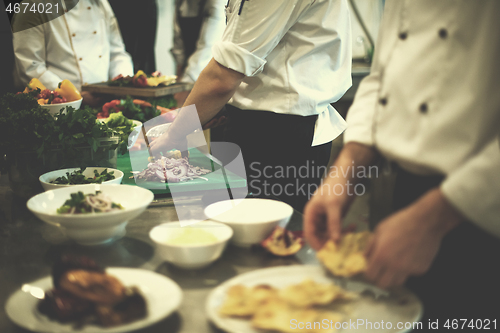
<point x="237" y="58"/>
<point x="254" y="28"/>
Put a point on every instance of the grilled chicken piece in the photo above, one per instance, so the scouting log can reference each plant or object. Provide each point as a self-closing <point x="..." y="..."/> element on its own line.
<point x="93" y="286"/>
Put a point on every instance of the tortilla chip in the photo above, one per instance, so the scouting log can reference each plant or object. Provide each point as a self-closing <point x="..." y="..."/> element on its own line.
<point x="276" y="314"/>
<point x="346" y="258"/>
<point x="309" y="293"/>
<point x="243" y="301"/>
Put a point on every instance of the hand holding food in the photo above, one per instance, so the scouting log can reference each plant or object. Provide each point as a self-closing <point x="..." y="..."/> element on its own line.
<point x="406" y="243"/>
<point x="347" y="258"/>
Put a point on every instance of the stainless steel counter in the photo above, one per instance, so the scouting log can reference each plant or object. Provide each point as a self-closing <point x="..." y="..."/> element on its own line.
<point x="28" y="247"/>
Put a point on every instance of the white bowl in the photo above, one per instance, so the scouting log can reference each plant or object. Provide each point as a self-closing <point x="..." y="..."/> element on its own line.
<point x="92" y="228"/>
<point x="48" y="177"/>
<point x="55" y="108"/>
<point x="190" y="256"/>
<point x="252" y="220"/>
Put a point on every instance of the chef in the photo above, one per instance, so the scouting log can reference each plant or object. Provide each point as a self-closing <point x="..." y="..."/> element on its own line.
<point x="279" y="65"/>
<point x="198" y="25"/>
<point x="430" y="108"/>
<point x="84" y="46"/>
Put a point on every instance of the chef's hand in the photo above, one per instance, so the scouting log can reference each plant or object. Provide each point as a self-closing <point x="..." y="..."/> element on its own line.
<point x="91" y="99"/>
<point x="323" y="214"/>
<point x="168" y="141"/>
<point x="406" y="243"/>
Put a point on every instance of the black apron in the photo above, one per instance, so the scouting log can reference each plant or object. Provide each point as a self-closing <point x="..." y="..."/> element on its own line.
<point x="464" y="279"/>
<point x="190" y="30"/>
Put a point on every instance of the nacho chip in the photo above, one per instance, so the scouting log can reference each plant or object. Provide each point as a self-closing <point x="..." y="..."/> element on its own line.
<point x="276" y="314"/>
<point x="346" y="258"/>
<point x="309" y="293"/>
<point x="243" y="301"/>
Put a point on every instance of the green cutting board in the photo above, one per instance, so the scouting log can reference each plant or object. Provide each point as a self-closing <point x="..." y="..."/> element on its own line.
<point x="217" y="180"/>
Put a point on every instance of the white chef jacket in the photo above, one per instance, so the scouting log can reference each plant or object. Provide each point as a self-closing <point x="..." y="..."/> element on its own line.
<point x="296" y="55"/>
<point x="432" y="100"/>
<point x="84" y="46"/>
<point x="214" y="23"/>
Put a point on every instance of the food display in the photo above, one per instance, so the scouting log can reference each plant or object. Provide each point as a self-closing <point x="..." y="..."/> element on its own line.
<point x="84" y="294"/>
<point x="80" y="203"/>
<point x="283" y="242"/>
<point x="141" y="79"/>
<point x="170" y="170"/>
<point x="65" y="92"/>
<point x="346" y="258"/>
<point x="77" y="177"/>
<point x="138" y="109"/>
<point x="271" y="308"/>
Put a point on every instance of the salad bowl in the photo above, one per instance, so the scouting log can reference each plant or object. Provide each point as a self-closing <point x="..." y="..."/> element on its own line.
<point x="49" y="177"/>
<point x="55" y="108"/>
<point x="96" y="227"/>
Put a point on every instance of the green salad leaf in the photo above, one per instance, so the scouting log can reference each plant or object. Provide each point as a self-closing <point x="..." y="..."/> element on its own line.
<point x="77" y="177"/>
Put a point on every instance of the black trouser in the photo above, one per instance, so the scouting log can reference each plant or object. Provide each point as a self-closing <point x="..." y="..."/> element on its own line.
<point x="277" y="153"/>
<point x="138" y="23"/>
<point x="464" y="279"/>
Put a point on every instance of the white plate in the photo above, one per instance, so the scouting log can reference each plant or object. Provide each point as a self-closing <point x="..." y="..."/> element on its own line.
<point x="163" y="296"/>
<point x="389" y="309"/>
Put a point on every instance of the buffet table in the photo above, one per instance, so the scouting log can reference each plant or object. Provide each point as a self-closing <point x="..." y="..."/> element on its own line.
<point x="30" y="246"/>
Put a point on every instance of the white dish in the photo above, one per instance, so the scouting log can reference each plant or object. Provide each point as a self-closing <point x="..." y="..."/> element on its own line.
<point x="163" y="297"/>
<point x="48" y="177"/>
<point x="190" y="256"/>
<point x="94" y="228"/>
<point x="55" y="108"/>
<point x="388" y="309"/>
<point x="252" y="220"/>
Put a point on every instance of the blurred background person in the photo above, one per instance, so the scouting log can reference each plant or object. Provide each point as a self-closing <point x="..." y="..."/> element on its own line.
<point x="198" y="25"/>
<point x="84" y="46"/>
<point x="138" y="23"/>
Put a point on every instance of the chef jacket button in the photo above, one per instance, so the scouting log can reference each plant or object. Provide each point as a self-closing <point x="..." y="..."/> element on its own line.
<point x="95" y="32"/>
<point x="383" y="101"/>
<point x="73" y="35"/>
<point x="100" y="56"/>
<point x="80" y="59"/>
<point x="88" y="7"/>
<point x="423" y="108"/>
<point x="443" y="33"/>
<point x="403" y="35"/>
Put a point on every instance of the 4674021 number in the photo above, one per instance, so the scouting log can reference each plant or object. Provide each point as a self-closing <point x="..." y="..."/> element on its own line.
<point x="478" y="324"/>
<point x="36" y="8"/>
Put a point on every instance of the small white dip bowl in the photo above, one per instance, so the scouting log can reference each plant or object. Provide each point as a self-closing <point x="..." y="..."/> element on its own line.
<point x="190" y="256"/>
<point x="252" y="219"/>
